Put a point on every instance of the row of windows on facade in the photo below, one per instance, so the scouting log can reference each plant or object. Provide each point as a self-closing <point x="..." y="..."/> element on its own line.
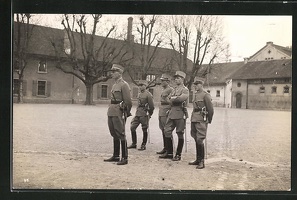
<point x="42" y="68"/>
<point x="43" y="88"/>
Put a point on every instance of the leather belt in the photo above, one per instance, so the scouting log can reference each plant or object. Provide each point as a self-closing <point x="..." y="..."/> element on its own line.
<point x="163" y="103"/>
<point x="197" y="110"/>
<point x="115" y="102"/>
<point x="176" y="104"/>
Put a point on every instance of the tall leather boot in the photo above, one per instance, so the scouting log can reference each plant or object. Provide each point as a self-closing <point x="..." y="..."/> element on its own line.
<point x="144" y="140"/>
<point x="200" y="156"/>
<point x="116" y="152"/>
<point x="164" y="149"/>
<point x="124" y="159"/>
<point x="134" y="140"/>
<point x="179" y="149"/>
<point x="169" y="149"/>
<point x="195" y="162"/>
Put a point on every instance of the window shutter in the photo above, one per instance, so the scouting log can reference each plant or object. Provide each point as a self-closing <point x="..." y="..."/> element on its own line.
<point x="98" y="91"/>
<point x="48" y="90"/>
<point x="24" y="87"/>
<point x="34" y="88"/>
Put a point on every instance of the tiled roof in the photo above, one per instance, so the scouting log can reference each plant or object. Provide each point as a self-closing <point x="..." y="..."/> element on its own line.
<point x="221" y="72"/>
<point x="40" y="44"/>
<point x="265" y="69"/>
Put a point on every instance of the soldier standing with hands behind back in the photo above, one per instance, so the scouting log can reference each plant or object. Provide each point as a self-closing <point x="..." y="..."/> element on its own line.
<point x="118" y="111"/>
<point x="176" y="117"/>
<point x="201" y="116"/>
<point x="143" y="113"/>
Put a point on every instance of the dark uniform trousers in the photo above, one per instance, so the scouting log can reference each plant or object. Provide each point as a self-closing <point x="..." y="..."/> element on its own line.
<point x="171" y="124"/>
<point x="116" y="126"/>
<point x="143" y="120"/>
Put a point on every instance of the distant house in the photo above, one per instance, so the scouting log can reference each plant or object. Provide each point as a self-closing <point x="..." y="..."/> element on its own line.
<point x="263" y="85"/>
<point x="44" y="83"/>
<point x="219" y="84"/>
<point x="263" y="81"/>
<point x="271" y="52"/>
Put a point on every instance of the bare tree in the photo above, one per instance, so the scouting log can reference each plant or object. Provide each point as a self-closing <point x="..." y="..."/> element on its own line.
<point x="23" y="33"/>
<point x="199" y="38"/>
<point x="149" y="44"/>
<point x="87" y="56"/>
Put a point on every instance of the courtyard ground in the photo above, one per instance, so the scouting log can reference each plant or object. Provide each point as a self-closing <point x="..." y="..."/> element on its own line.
<point x="57" y="146"/>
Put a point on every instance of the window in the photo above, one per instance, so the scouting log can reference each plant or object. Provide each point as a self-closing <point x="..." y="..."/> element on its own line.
<point x="137" y="76"/>
<point x="150" y="77"/>
<point x="41" y="88"/>
<point x="208" y="91"/>
<point x="286" y="89"/>
<point x="103" y="91"/>
<point x="238" y="84"/>
<point x="42" y="66"/>
<point x="218" y="93"/>
<point x="262" y="89"/>
<point x="273" y="89"/>
<point x="16" y="86"/>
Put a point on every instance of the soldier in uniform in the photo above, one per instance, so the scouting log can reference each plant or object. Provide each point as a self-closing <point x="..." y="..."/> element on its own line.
<point x="176" y="117"/>
<point x="117" y="113"/>
<point x="143" y="113"/>
<point x="201" y="116"/>
<point x="165" y="106"/>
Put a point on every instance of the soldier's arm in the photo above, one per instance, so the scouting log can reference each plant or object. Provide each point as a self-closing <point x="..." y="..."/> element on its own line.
<point x="167" y="95"/>
<point x="183" y="97"/>
<point x="151" y="104"/>
<point x="209" y="107"/>
<point x="127" y="96"/>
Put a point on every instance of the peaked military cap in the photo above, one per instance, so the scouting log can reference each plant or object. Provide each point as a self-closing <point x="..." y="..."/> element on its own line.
<point x="180" y="74"/>
<point x="199" y="79"/>
<point x="117" y="67"/>
<point x="165" y="77"/>
<point x="142" y="82"/>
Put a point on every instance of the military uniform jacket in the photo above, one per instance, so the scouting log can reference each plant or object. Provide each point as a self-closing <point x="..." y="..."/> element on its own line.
<point x="201" y="99"/>
<point x="145" y="104"/>
<point x="120" y="92"/>
<point x="165" y="101"/>
<point x="179" y="95"/>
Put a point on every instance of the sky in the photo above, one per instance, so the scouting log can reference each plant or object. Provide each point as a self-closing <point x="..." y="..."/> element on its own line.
<point x="245" y="34"/>
<point x="248" y="34"/>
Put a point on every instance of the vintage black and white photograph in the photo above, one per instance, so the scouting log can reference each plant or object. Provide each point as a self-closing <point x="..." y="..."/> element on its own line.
<point x="151" y="102"/>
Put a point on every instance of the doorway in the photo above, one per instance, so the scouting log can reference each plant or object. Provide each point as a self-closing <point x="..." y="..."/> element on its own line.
<point x="238" y="100"/>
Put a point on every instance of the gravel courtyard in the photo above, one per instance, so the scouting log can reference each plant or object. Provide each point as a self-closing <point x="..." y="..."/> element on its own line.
<point x="57" y="146"/>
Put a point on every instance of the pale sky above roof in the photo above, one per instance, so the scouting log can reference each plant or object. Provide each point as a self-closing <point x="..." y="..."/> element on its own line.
<point x="245" y="34"/>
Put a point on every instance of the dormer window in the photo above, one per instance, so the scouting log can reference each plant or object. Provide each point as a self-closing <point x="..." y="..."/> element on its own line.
<point x="42" y="68"/>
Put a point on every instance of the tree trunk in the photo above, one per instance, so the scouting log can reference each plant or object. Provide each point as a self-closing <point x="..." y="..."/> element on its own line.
<point x="20" y="93"/>
<point x="89" y="95"/>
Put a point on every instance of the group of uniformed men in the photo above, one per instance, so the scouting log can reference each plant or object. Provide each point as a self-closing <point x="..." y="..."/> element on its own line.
<point x="172" y="115"/>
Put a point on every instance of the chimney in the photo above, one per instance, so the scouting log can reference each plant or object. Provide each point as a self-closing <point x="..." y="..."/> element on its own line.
<point x="245" y="60"/>
<point x="130" y="37"/>
<point x="267" y="43"/>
